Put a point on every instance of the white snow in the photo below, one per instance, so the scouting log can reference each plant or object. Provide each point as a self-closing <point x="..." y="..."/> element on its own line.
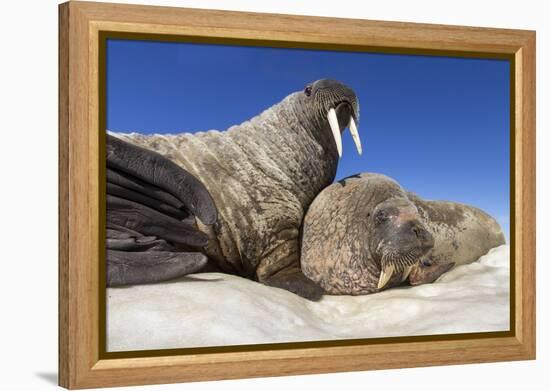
<point x="214" y="309"/>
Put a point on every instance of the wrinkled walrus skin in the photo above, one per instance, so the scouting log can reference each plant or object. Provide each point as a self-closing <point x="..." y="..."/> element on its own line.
<point x="262" y="176"/>
<point x="355" y="237"/>
<point x="462" y="233"/>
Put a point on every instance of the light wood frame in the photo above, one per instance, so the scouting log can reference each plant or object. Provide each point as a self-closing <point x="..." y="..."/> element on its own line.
<point x="81" y="362"/>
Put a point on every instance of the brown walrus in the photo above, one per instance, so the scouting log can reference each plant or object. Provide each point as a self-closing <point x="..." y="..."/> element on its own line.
<point x="366" y="233"/>
<point x="253" y="182"/>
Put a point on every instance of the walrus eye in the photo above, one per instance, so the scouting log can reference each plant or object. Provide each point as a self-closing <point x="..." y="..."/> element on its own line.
<point x="426" y="263"/>
<point x="307" y="91"/>
<point x="381" y="217"/>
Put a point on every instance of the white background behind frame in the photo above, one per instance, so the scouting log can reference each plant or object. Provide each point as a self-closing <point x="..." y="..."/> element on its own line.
<point x="28" y="161"/>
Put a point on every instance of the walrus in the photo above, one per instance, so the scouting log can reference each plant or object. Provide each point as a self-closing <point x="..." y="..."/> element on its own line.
<point x="252" y="183"/>
<point x="366" y="233"/>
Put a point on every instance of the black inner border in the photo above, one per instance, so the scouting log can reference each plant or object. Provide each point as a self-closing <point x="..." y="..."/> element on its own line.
<point x="102" y="99"/>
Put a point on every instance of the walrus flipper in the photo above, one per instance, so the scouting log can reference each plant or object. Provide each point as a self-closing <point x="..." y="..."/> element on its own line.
<point x="426" y="273"/>
<point x="293" y="279"/>
<point x="157" y="175"/>
<point x="124" y="268"/>
<point x="152" y="204"/>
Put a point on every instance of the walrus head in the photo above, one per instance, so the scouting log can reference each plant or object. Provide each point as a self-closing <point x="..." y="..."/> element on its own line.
<point x="399" y="238"/>
<point x="330" y="102"/>
<point x="361" y="235"/>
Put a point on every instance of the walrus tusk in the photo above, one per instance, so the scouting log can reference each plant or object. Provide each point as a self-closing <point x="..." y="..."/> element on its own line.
<point x="335" y="127"/>
<point x="355" y="134"/>
<point x="385" y="275"/>
<point x="406" y="272"/>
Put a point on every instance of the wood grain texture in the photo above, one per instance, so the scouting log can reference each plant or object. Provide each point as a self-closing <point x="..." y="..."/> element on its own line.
<point x="80" y="204"/>
<point x="525" y="259"/>
<point x="63" y="221"/>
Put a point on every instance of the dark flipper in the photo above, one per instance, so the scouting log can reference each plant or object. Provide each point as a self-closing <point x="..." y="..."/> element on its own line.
<point x="151" y="208"/>
<point x="154" y="169"/>
<point x="132" y="183"/>
<point x="143" y="243"/>
<point x="292" y="279"/>
<point x="122" y="192"/>
<point x="150" y="222"/>
<point x="126" y="267"/>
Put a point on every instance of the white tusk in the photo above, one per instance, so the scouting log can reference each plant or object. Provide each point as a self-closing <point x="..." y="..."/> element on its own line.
<point x="406" y="272"/>
<point x="385" y="276"/>
<point x="355" y="134"/>
<point x="335" y="127"/>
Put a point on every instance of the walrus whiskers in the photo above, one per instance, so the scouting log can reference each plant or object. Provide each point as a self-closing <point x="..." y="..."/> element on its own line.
<point x="395" y="263"/>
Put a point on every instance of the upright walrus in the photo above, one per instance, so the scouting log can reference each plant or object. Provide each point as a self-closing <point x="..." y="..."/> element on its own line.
<point x="262" y="175"/>
<point x="366" y="233"/>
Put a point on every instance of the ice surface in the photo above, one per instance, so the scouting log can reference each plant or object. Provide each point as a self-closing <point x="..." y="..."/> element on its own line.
<point x="214" y="309"/>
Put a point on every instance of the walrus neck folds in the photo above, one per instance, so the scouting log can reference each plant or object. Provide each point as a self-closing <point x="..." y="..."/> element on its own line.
<point x="300" y="147"/>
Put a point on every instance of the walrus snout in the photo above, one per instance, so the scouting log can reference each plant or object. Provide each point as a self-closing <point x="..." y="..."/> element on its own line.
<point x="424" y="237"/>
<point x="408" y="241"/>
<point x="331" y="92"/>
<point x="413" y="237"/>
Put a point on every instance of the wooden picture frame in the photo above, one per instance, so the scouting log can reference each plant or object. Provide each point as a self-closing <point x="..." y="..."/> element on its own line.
<point x="83" y="26"/>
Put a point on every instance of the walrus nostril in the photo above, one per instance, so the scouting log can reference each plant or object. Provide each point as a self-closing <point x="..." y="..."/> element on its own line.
<point x="420" y="233"/>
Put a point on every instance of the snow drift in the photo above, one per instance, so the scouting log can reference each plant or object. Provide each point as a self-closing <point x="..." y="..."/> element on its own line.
<point x="214" y="309"/>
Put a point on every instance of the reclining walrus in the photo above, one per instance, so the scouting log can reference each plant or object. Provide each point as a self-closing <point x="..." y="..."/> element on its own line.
<point x="235" y="199"/>
<point x="366" y="233"/>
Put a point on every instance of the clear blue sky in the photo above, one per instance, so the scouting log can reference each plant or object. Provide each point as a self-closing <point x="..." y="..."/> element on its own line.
<point x="438" y="125"/>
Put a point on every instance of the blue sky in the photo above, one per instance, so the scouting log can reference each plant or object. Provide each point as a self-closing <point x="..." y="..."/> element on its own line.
<point x="438" y="125"/>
